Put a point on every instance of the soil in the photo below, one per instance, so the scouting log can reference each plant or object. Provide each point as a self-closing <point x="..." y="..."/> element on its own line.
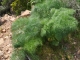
<point x="5" y="36"/>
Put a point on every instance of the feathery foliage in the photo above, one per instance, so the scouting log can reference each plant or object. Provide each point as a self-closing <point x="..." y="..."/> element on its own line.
<point x="20" y="55"/>
<point x="60" y="25"/>
<point x="49" y="21"/>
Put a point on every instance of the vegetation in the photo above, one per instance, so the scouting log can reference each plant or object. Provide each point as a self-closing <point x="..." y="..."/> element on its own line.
<point x="16" y="6"/>
<point x="5" y="6"/>
<point x="20" y="5"/>
<point x="6" y="2"/>
<point x="50" y="23"/>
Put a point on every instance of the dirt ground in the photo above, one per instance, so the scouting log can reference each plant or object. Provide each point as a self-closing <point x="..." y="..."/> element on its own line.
<point x="5" y="37"/>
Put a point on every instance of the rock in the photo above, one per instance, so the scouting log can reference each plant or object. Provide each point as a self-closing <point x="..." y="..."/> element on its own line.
<point x="1" y="53"/>
<point x="7" y="59"/>
<point x="1" y="35"/>
<point x="6" y="56"/>
<point x="3" y="30"/>
<point x="9" y="45"/>
<point x="10" y="49"/>
<point x="6" y="37"/>
<point x="25" y="13"/>
<point x="10" y="35"/>
<point x="13" y="19"/>
<point x="1" y="41"/>
<point x="5" y="17"/>
<point x="74" y="43"/>
<point x="78" y="52"/>
<point x="9" y="52"/>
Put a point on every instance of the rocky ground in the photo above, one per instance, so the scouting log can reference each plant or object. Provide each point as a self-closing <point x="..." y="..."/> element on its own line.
<point x="5" y="34"/>
<point x="5" y="37"/>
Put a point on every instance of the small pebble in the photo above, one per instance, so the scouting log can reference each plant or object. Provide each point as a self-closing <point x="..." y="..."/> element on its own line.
<point x="1" y="53"/>
<point x="3" y="30"/>
<point x="1" y="41"/>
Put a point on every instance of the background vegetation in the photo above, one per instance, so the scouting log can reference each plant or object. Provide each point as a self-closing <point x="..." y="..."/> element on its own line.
<point x="15" y="6"/>
<point x="20" y="5"/>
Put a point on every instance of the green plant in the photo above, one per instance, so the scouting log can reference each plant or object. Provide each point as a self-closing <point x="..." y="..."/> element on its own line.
<point x="20" y="5"/>
<point x="20" y="55"/>
<point x="6" y="2"/>
<point x="46" y="24"/>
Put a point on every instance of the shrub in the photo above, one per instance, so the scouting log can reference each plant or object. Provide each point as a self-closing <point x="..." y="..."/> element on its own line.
<point x="4" y="2"/>
<point x="20" y="5"/>
<point x="46" y="24"/>
<point x="20" y="55"/>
